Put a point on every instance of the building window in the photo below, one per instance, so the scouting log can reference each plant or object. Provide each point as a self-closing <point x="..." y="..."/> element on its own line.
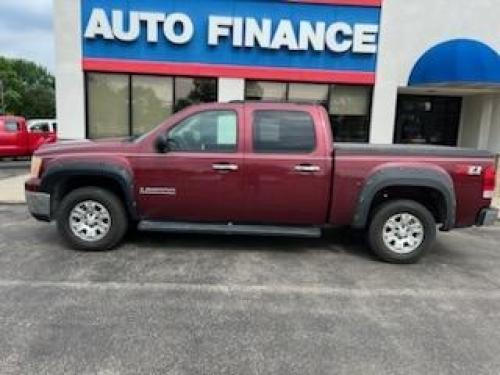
<point x="306" y="92"/>
<point x="108" y="105"/>
<point x="261" y="90"/>
<point x="427" y="120"/>
<point x="211" y="131"/>
<point x="349" y="107"/>
<point x="189" y="91"/>
<point x="120" y="105"/>
<point x="349" y="110"/>
<point x="283" y="132"/>
<point x="152" y="102"/>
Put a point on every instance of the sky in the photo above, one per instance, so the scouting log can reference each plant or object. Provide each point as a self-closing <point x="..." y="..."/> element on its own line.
<point x="26" y="31"/>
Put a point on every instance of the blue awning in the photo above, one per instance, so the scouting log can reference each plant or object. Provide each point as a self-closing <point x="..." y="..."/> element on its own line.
<point x="457" y="62"/>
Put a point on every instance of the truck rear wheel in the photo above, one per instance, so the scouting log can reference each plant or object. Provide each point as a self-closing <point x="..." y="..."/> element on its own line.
<point x="92" y="219"/>
<point x="401" y="231"/>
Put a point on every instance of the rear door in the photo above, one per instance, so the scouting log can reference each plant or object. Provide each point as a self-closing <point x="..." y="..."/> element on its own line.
<point x="287" y="164"/>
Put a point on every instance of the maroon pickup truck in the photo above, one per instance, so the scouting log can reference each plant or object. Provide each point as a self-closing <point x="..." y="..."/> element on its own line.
<point x="259" y="169"/>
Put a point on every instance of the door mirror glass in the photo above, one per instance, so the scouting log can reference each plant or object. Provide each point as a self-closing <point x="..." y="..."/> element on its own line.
<point x="162" y="144"/>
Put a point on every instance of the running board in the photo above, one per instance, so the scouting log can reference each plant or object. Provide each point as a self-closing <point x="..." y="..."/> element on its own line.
<point x="229" y="229"/>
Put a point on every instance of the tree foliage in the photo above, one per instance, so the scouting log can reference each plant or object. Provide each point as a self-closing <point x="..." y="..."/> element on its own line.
<point x="28" y="89"/>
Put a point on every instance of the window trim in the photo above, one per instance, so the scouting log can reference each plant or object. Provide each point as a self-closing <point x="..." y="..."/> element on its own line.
<point x="238" y="143"/>
<point x="283" y="152"/>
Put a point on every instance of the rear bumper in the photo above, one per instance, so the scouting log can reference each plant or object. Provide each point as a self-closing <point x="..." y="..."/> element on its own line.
<point x="487" y="216"/>
<point x="39" y="205"/>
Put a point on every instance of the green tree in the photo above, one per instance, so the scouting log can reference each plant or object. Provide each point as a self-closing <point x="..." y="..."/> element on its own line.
<point x="28" y="89"/>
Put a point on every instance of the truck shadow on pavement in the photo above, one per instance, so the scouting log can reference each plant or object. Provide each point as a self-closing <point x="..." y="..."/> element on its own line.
<point x="339" y="240"/>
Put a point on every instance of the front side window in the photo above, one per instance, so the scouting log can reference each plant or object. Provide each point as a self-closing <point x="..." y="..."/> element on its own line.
<point x="211" y="131"/>
<point x="283" y="132"/>
<point x="11" y="126"/>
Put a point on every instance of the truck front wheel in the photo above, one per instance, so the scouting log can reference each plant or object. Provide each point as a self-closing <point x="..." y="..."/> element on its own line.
<point x="92" y="219"/>
<point x="401" y="231"/>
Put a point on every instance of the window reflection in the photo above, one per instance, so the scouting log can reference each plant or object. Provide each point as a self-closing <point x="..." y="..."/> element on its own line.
<point x="190" y="91"/>
<point x="108" y="105"/>
<point x="152" y="102"/>
<point x="121" y="105"/>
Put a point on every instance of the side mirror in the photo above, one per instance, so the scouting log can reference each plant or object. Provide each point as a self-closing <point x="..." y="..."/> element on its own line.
<point x="162" y="144"/>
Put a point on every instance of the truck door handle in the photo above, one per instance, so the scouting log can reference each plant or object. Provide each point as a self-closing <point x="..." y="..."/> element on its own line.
<point x="307" y="168"/>
<point x="225" y="167"/>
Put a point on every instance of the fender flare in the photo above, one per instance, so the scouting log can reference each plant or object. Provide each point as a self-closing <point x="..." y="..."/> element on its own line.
<point x="406" y="176"/>
<point x="57" y="174"/>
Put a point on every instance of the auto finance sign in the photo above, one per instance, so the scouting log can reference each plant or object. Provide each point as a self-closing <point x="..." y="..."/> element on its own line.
<point x="249" y="36"/>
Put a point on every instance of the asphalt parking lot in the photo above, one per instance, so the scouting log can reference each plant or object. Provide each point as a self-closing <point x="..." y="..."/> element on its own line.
<point x="179" y="304"/>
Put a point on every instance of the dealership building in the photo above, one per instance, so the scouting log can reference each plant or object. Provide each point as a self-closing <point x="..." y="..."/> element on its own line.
<point x="387" y="71"/>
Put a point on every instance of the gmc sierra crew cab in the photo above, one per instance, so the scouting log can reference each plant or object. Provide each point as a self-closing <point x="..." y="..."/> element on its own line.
<point x="259" y="169"/>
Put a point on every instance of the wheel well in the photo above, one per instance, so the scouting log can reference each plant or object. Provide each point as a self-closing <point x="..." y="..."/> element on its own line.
<point x="430" y="198"/>
<point x="70" y="184"/>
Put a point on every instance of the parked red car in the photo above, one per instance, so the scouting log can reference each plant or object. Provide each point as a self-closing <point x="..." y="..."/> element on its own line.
<point x="16" y="140"/>
<point x="259" y="169"/>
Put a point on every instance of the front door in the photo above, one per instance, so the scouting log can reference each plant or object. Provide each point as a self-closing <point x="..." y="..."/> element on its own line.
<point x="200" y="178"/>
<point x="288" y="166"/>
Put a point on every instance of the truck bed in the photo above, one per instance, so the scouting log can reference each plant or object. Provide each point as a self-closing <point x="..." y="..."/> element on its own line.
<point x="408" y="150"/>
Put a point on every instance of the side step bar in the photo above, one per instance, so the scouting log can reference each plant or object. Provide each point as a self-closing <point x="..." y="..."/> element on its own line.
<point x="229" y="229"/>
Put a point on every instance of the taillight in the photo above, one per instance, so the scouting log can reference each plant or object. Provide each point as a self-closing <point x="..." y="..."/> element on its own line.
<point x="489" y="179"/>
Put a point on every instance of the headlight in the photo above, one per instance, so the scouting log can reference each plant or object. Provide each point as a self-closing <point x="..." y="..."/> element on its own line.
<point x="36" y="166"/>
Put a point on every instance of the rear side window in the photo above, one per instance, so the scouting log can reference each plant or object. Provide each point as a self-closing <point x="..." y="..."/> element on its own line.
<point x="11" y="126"/>
<point x="283" y="132"/>
<point x="41" y="128"/>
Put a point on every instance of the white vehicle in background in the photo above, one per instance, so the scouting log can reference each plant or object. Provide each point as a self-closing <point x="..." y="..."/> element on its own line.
<point x="42" y="126"/>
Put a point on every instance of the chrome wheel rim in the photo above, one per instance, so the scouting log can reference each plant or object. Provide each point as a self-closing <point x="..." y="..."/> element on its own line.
<point x="403" y="233"/>
<point x="90" y="221"/>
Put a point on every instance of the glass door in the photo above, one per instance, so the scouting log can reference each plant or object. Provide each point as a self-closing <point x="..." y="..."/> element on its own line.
<point x="427" y="120"/>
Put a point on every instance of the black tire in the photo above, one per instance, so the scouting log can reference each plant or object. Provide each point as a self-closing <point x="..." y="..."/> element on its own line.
<point x="117" y="212"/>
<point x="390" y="209"/>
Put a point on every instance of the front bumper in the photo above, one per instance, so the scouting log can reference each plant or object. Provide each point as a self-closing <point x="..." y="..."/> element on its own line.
<point x="39" y="205"/>
<point x="487" y="216"/>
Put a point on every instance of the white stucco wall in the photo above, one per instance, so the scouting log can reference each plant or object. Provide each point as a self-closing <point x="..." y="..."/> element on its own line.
<point x="493" y="141"/>
<point x="70" y="93"/>
<point x="472" y="113"/>
<point x="411" y="27"/>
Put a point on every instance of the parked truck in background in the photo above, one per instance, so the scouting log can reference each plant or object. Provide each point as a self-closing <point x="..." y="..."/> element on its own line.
<point x="259" y="169"/>
<point x="17" y="140"/>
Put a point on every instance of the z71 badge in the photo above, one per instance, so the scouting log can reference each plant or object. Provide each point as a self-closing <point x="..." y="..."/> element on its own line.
<point x="157" y="191"/>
